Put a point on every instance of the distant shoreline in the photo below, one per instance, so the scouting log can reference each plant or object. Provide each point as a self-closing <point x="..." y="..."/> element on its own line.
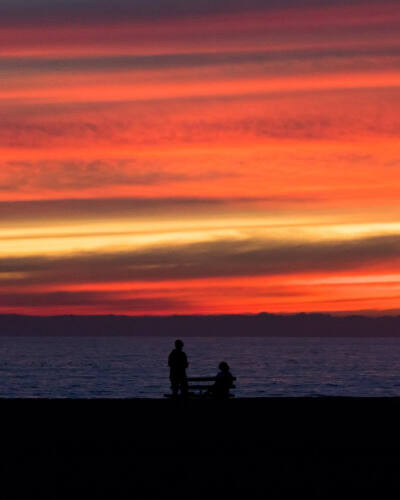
<point x="241" y="325"/>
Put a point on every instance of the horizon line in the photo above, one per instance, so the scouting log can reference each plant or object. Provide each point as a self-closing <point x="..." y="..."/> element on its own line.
<point x="336" y="314"/>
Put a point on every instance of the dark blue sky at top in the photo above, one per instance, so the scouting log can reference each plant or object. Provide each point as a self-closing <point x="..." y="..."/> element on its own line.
<point x="22" y="12"/>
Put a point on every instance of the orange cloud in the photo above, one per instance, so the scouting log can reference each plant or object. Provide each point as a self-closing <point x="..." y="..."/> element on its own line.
<point x="223" y="158"/>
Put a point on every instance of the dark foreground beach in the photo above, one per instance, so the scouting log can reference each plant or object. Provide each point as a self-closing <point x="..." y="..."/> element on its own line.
<point x="260" y="448"/>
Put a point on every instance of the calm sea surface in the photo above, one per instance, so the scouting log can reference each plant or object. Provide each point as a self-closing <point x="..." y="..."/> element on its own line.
<point x="136" y="367"/>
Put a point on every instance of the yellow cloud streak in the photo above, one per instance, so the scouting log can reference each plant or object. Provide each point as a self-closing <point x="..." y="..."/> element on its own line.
<point x="351" y="231"/>
<point x="122" y="235"/>
<point x="93" y="236"/>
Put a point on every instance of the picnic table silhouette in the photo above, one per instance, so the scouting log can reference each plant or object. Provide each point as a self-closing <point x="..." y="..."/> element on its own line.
<point x="202" y="386"/>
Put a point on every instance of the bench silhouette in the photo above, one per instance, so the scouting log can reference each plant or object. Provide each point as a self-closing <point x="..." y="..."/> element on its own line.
<point x="198" y="384"/>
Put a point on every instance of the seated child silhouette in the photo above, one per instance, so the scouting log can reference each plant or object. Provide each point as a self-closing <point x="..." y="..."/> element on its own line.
<point x="224" y="381"/>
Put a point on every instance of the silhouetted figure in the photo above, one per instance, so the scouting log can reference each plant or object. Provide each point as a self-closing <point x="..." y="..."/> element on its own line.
<point x="177" y="362"/>
<point x="224" y="381"/>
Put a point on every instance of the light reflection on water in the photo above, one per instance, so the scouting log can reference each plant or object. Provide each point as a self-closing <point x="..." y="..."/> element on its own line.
<point x="125" y="367"/>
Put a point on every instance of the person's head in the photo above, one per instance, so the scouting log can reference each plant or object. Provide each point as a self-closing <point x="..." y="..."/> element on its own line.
<point x="179" y="344"/>
<point x="223" y="366"/>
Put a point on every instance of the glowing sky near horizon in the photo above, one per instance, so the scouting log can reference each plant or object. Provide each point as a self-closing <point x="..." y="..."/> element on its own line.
<point x="168" y="157"/>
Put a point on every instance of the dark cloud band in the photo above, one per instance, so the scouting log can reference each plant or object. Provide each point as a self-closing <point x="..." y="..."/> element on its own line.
<point x="170" y="61"/>
<point x="28" y="212"/>
<point x="204" y="260"/>
<point x="89" y="299"/>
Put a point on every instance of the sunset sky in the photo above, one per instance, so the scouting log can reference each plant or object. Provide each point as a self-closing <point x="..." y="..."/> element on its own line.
<point x="177" y="157"/>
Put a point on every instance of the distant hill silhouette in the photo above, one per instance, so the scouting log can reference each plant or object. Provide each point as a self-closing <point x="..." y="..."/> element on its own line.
<point x="260" y="325"/>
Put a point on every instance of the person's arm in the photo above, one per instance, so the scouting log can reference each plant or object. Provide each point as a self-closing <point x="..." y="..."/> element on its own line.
<point x="186" y="362"/>
<point x="170" y="359"/>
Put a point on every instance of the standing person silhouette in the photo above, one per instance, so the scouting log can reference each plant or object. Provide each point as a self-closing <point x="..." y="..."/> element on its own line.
<point x="177" y="362"/>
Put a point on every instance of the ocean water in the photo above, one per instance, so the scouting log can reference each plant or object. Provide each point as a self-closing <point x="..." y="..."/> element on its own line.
<point x="124" y="367"/>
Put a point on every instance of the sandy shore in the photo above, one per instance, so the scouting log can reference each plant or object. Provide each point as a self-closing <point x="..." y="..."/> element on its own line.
<point x="162" y="448"/>
<point x="245" y="422"/>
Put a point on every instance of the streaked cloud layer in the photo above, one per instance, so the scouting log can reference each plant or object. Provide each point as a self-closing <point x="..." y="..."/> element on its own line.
<point x="165" y="157"/>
